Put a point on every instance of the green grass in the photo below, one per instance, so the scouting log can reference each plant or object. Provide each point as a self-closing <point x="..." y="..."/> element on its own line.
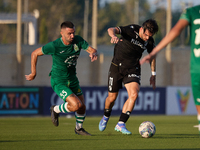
<point x="35" y="133"/>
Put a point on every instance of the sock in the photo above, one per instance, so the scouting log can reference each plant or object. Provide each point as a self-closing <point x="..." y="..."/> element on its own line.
<point x="124" y="117"/>
<point x="61" y="108"/>
<point x="198" y="118"/>
<point x="107" y="112"/>
<point x="79" y="120"/>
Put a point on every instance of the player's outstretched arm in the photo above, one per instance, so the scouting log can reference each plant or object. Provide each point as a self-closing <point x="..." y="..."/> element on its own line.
<point x="34" y="56"/>
<point x="174" y="32"/>
<point x="93" y="53"/>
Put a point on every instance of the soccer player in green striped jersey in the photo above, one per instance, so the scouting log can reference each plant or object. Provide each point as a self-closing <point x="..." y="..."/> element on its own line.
<point x="65" y="52"/>
<point x="190" y="17"/>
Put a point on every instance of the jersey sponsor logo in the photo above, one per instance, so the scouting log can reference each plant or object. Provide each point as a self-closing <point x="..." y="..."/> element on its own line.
<point x="198" y="100"/>
<point x="136" y="42"/>
<point x="76" y="48"/>
<point x="62" y="52"/>
<point x="71" y="60"/>
<point x="133" y="75"/>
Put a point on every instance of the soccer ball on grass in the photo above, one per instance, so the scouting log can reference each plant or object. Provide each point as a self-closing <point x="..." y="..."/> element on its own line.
<point x="147" y="129"/>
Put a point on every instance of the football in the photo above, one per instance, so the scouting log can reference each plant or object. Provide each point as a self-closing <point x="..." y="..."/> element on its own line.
<point x="147" y="129"/>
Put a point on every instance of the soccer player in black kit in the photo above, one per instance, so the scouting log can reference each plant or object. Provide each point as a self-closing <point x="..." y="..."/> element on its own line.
<point x="125" y="68"/>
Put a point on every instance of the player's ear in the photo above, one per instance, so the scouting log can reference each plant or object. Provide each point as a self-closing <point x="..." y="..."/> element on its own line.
<point x="141" y="29"/>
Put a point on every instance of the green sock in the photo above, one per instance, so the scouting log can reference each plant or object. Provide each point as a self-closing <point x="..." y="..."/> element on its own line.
<point x="79" y="120"/>
<point x="63" y="108"/>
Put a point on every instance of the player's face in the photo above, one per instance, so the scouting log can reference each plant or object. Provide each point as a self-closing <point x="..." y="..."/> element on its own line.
<point x="68" y="35"/>
<point x="145" y="35"/>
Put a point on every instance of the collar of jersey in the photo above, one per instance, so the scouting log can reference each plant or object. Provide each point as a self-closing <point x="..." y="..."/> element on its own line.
<point x="63" y="42"/>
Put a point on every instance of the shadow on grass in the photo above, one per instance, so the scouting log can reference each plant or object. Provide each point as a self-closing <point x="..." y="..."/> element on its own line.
<point x="46" y="140"/>
<point x="165" y="136"/>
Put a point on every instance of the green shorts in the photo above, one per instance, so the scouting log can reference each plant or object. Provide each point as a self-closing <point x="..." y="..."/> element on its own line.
<point x="195" y="81"/>
<point x="64" y="88"/>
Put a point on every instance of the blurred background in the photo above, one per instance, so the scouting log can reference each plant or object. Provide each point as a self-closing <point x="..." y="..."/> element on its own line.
<point x="28" y="24"/>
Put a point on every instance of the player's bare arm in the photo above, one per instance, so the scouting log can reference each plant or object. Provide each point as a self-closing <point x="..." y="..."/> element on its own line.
<point x="34" y="57"/>
<point x="153" y="73"/>
<point x="174" y="32"/>
<point x="112" y="33"/>
<point x="93" y="53"/>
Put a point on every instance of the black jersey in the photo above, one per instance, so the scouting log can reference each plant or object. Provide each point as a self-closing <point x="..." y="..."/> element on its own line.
<point x="130" y="47"/>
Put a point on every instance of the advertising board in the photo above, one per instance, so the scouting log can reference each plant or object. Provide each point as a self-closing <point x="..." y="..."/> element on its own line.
<point x="179" y="101"/>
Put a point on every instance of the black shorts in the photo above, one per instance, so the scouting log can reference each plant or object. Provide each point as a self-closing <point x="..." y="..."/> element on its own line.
<point x="119" y="74"/>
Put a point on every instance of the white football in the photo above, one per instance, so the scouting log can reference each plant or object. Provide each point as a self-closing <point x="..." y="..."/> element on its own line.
<point x="147" y="129"/>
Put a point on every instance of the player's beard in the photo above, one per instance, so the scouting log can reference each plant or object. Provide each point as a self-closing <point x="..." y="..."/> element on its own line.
<point x="144" y="39"/>
<point x="68" y="40"/>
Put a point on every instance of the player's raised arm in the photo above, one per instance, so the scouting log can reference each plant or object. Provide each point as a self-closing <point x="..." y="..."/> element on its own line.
<point x="93" y="53"/>
<point x="34" y="57"/>
<point x="112" y="33"/>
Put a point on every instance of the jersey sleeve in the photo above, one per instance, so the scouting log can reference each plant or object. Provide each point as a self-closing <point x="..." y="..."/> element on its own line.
<point x="124" y="29"/>
<point x="48" y="49"/>
<point x="83" y="44"/>
<point x="186" y="15"/>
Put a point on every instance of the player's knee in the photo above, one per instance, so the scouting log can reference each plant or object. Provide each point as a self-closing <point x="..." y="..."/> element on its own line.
<point x="133" y="96"/>
<point x="111" y="97"/>
<point x="76" y="106"/>
<point x="82" y="108"/>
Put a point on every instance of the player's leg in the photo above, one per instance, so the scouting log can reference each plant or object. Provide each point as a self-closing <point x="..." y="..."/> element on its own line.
<point x="71" y="104"/>
<point x="133" y="90"/>
<point x="114" y="84"/>
<point x="80" y="117"/>
<point x="71" y="101"/>
<point x="110" y="100"/>
<point x="195" y="81"/>
<point x="80" y="114"/>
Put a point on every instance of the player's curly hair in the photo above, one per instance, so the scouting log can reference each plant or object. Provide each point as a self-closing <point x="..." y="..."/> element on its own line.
<point x="67" y="24"/>
<point x="151" y="25"/>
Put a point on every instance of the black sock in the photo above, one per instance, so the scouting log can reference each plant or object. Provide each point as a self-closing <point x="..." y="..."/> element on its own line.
<point x="124" y="116"/>
<point x="107" y="112"/>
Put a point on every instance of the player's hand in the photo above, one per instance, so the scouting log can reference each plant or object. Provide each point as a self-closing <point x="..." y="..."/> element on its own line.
<point x="93" y="56"/>
<point x="114" y="39"/>
<point x="153" y="81"/>
<point x="146" y="59"/>
<point x="30" y="77"/>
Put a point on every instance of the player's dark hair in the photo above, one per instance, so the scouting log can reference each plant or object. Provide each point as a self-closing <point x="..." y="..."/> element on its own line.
<point x="67" y="24"/>
<point x="151" y="25"/>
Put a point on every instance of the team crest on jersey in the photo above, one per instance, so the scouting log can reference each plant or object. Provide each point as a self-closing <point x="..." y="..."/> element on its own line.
<point x="76" y="47"/>
<point x="79" y="91"/>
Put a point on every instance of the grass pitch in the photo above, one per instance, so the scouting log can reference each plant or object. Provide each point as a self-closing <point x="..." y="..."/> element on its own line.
<point x="38" y="133"/>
